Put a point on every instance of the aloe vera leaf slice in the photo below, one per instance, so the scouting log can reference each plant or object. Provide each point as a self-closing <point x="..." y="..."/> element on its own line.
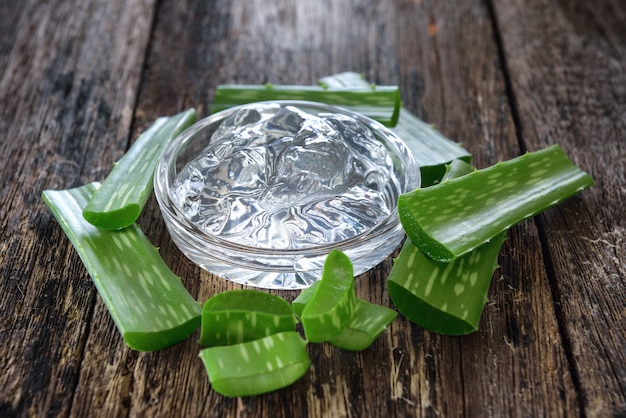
<point x="346" y="79"/>
<point x="368" y="321"/>
<point x="431" y="150"/>
<point x="148" y="303"/>
<point x="446" y="298"/>
<point x="457" y="168"/>
<point x="303" y="298"/>
<point x="239" y="316"/>
<point x="450" y="219"/>
<point x="258" y="366"/>
<point x="381" y="103"/>
<point x="331" y="307"/>
<point x="121" y="197"/>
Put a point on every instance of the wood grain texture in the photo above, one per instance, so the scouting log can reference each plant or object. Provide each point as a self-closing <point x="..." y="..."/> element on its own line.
<point x="464" y="95"/>
<point x="69" y="82"/>
<point x="80" y="80"/>
<point x="572" y="91"/>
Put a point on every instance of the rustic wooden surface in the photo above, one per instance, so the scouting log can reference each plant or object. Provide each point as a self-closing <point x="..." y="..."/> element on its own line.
<point x="79" y="79"/>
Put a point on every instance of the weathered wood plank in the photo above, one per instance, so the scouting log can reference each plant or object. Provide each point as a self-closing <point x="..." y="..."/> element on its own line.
<point x="260" y="43"/>
<point x="75" y="90"/>
<point x="455" y="80"/>
<point x="572" y="90"/>
<point x="426" y="49"/>
<point x="68" y="83"/>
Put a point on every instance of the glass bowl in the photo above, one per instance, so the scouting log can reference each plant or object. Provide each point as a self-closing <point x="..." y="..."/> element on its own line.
<point x="270" y="263"/>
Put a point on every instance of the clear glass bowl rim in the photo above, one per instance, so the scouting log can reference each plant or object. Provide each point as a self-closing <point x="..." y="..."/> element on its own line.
<point x="165" y="172"/>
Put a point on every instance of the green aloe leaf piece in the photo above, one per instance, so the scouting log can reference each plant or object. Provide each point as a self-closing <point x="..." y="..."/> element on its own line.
<point x="148" y="303"/>
<point x="368" y="321"/>
<point x="450" y="219"/>
<point x="381" y="103"/>
<point x="258" y="366"/>
<point x="346" y="79"/>
<point x="457" y="168"/>
<point x="121" y="197"/>
<point x="239" y="316"/>
<point x="333" y="303"/>
<point x="304" y="298"/>
<point x="447" y="298"/>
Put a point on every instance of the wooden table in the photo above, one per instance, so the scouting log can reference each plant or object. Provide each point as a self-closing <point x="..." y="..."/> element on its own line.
<point x="79" y="79"/>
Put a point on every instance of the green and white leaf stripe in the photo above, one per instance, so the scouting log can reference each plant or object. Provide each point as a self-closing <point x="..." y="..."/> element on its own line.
<point x="148" y="303"/>
<point x="123" y="194"/>
<point x="381" y="103"/>
<point x="450" y="219"/>
<point x="331" y="307"/>
<point x="258" y="366"/>
<point x="447" y="298"/>
<point x="239" y="316"/>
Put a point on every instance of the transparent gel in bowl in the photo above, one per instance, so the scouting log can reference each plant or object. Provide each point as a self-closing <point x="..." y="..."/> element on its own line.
<point x="261" y="193"/>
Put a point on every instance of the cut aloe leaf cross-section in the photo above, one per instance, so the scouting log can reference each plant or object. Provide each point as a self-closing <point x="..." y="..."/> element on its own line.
<point x="331" y="307"/>
<point x="457" y="168"/>
<point x="368" y="321"/>
<point x="450" y="219"/>
<point x="121" y="197"/>
<point x="257" y="366"/>
<point x="447" y="298"/>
